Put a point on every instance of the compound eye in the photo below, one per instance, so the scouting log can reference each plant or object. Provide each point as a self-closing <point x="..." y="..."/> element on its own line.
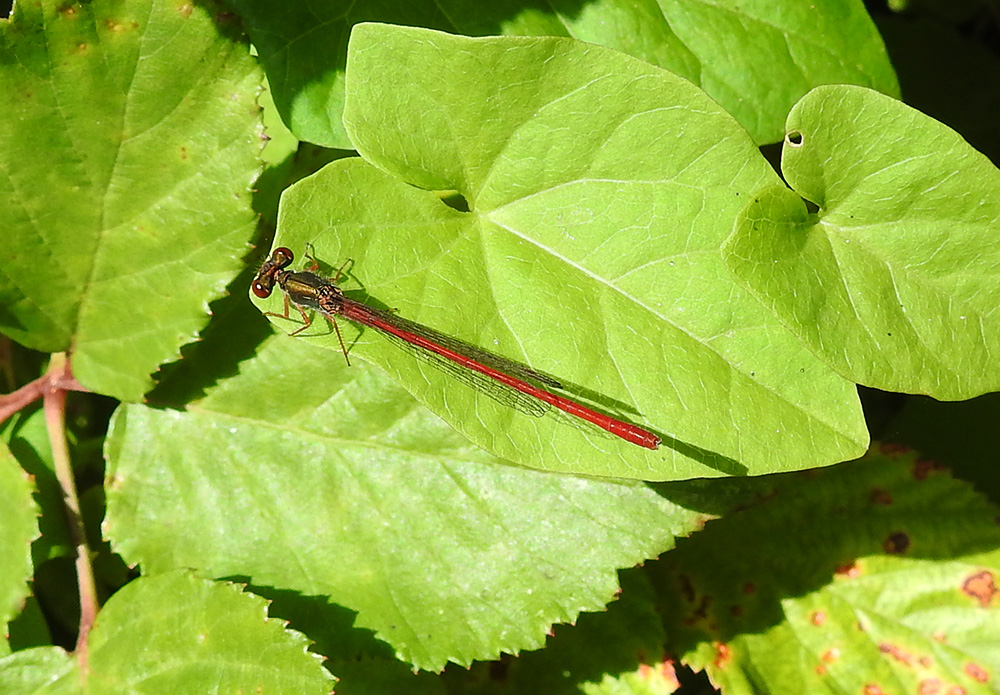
<point x="282" y="257"/>
<point x="261" y="290"/>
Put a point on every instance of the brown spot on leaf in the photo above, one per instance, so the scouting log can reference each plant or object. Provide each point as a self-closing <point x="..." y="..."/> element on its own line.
<point x="700" y="611"/>
<point x="851" y="570"/>
<point x="880" y="496"/>
<point x="830" y="655"/>
<point x="749" y="588"/>
<point x="929" y="686"/>
<point x="817" y="618"/>
<point x="981" y="586"/>
<point x="686" y="587"/>
<point x="897" y="543"/>
<point x="924" y="467"/>
<point x="896" y="653"/>
<point x="976" y="672"/>
<point x="663" y="672"/>
<point x="872" y="689"/>
<point x="721" y="654"/>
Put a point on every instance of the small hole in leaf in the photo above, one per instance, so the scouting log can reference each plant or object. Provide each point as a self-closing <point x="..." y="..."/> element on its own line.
<point x="794" y="138"/>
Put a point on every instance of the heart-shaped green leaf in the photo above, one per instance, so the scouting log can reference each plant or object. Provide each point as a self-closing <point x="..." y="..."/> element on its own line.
<point x="895" y="281"/>
<point x="600" y="189"/>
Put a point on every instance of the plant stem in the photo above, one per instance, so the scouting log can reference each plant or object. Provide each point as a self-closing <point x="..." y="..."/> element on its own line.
<point x="58" y="377"/>
<point x="55" y="420"/>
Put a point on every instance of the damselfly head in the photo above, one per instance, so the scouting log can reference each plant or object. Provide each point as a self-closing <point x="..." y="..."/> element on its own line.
<point x="263" y="283"/>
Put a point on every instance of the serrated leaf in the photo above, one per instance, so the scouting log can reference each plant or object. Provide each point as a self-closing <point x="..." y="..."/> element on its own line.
<point x="30" y="628"/>
<point x="894" y="281"/>
<point x="179" y="634"/>
<point x="126" y="154"/>
<point x="874" y="576"/>
<point x="28" y="439"/>
<point x="755" y="58"/>
<point x="600" y="190"/>
<point x="442" y="550"/>
<point x="617" y="652"/>
<point x="20" y="528"/>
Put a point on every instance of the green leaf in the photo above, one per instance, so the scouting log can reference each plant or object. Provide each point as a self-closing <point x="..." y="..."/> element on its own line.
<point x="754" y="58"/>
<point x="29" y="629"/>
<point x="894" y="281"/>
<point x="178" y="634"/>
<point x="873" y="576"/>
<point x="28" y="439"/>
<point x="126" y="154"/>
<point x="302" y="48"/>
<point x="616" y="652"/>
<point x="446" y="553"/>
<point x="33" y="670"/>
<point x="20" y="528"/>
<point x="600" y="190"/>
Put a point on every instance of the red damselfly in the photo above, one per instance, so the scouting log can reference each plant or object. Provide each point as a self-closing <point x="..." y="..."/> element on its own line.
<point x="528" y="387"/>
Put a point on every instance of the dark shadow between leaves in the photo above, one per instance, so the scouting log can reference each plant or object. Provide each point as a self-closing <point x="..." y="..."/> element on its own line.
<point x="231" y="336"/>
<point x="951" y="73"/>
<point x="353" y="654"/>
